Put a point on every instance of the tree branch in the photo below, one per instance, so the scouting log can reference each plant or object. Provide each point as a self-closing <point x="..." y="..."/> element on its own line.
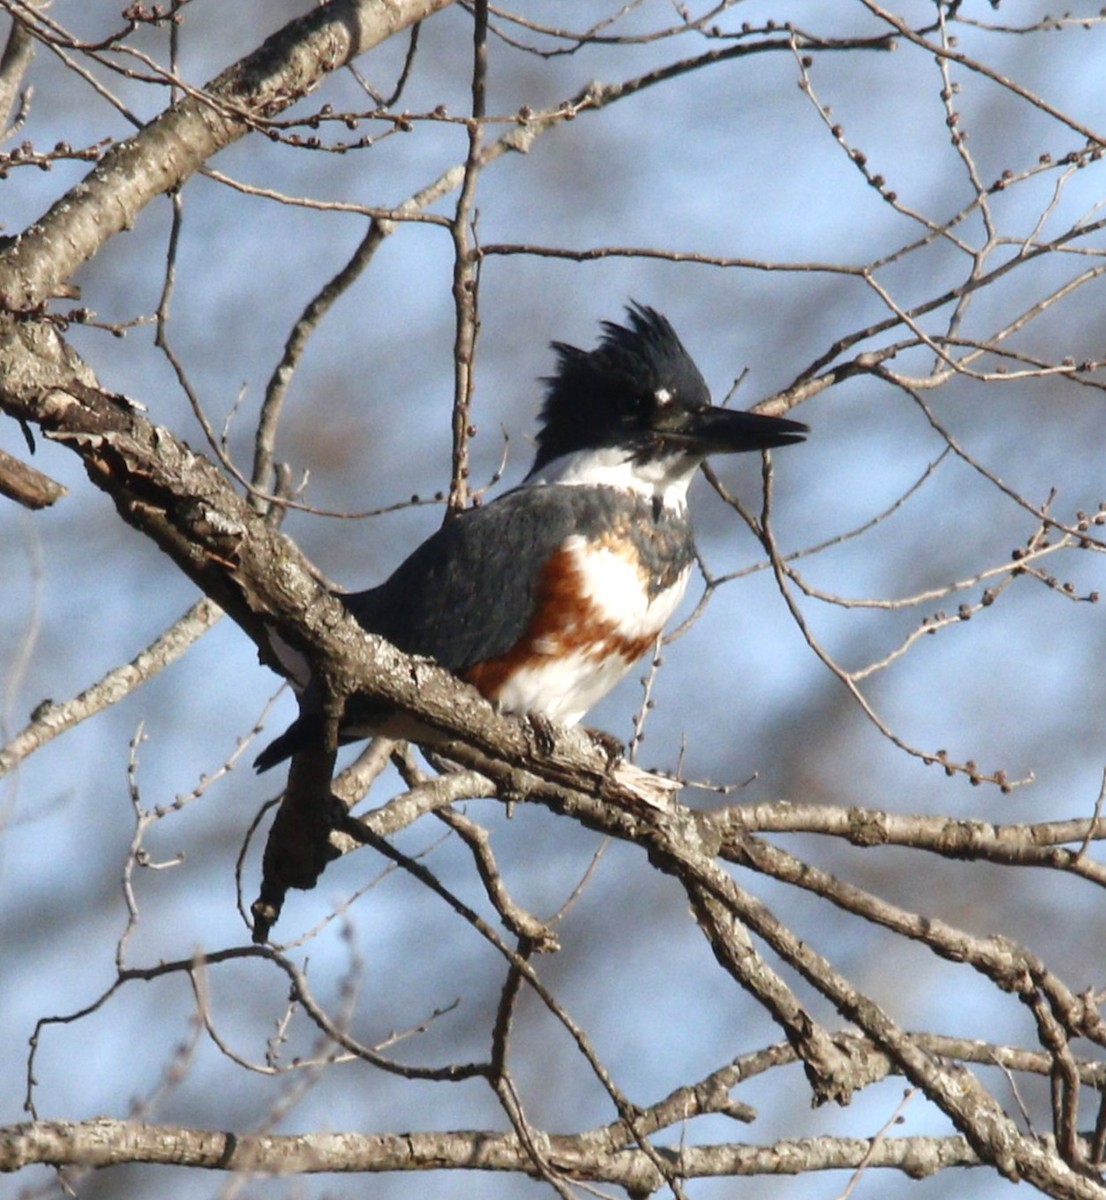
<point x="19" y="51"/>
<point x="182" y="502"/>
<point x="172" y="147"/>
<point x="51" y="719"/>
<point x="23" y="484"/>
<point x="104" y="1142"/>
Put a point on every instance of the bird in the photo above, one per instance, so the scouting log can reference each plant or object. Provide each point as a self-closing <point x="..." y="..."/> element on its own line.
<point x="545" y="597"/>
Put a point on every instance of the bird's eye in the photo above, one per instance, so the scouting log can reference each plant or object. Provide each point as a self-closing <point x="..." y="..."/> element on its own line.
<point x="663" y="397"/>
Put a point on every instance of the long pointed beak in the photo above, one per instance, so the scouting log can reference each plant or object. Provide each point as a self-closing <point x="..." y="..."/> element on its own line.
<point x="731" y="431"/>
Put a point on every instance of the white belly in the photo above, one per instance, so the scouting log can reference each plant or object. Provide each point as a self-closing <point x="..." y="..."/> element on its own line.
<point x="574" y="665"/>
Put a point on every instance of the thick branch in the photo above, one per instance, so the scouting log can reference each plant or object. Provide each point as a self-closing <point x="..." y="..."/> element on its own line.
<point x="184" y="503"/>
<point x="1039" y="844"/>
<point x="104" y="1142"/>
<point x="176" y="144"/>
<point x="26" y="486"/>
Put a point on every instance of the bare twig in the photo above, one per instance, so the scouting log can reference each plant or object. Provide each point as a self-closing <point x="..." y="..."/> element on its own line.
<point x="51" y="718"/>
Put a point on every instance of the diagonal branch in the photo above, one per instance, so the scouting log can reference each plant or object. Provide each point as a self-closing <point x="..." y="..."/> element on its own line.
<point x="172" y="147"/>
<point x="181" y="500"/>
<point x="51" y="719"/>
<point x="27" y="486"/>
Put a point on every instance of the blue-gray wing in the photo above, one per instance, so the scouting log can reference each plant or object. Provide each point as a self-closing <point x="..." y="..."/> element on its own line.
<point x="469" y="592"/>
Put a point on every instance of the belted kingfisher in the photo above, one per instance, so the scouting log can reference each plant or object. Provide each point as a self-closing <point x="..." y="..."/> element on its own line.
<point x="545" y="598"/>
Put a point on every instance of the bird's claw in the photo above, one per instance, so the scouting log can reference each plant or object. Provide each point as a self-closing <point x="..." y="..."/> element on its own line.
<point x="544" y="731"/>
<point x="612" y="747"/>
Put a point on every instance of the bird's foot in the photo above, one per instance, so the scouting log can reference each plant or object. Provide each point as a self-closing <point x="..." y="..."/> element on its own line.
<point x="544" y="733"/>
<point x="612" y="747"/>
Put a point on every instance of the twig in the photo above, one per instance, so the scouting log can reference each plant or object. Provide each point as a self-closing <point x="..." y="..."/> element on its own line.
<point x="51" y="719"/>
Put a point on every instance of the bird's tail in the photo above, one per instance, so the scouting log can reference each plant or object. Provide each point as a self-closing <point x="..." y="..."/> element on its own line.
<point x="302" y="732"/>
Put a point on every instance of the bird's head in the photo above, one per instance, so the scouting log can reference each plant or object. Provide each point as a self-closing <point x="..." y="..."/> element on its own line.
<point x="638" y="405"/>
